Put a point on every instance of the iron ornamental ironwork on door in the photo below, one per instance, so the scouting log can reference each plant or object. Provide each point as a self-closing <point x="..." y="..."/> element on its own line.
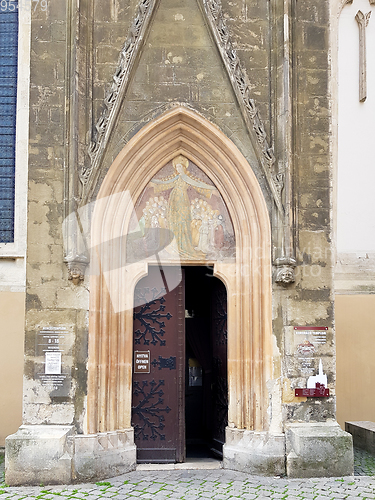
<point x="158" y="405"/>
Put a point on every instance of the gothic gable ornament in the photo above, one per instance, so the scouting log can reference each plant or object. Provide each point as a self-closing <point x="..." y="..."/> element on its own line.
<point x="362" y="20"/>
<point x="113" y="99"/>
<point x="239" y="80"/>
<point x="241" y="87"/>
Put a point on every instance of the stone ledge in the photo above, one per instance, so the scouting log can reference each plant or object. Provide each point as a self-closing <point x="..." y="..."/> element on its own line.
<point x="355" y="273"/>
<point x="103" y="455"/>
<point x="363" y="432"/>
<point x="318" y="450"/>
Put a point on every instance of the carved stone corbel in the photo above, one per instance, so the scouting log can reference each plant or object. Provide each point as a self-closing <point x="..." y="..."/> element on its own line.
<point x="285" y="270"/>
<point x="79" y="78"/>
<point x="283" y="124"/>
<point x="77" y="268"/>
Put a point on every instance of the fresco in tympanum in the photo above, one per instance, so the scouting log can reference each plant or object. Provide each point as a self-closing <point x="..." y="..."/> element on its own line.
<point x="182" y="216"/>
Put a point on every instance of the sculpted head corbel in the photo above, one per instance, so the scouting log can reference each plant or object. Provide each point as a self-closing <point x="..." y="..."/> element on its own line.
<point x="285" y="271"/>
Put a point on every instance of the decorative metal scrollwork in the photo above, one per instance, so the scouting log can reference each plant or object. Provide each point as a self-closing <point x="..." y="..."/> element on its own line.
<point x="151" y="316"/>
<point x="165" y="362"/>
<point x="149" y="411"/>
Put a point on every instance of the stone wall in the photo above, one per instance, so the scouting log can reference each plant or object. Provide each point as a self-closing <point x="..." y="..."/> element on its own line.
<point x="309" y="302"/>
<point x="51" y="299"/>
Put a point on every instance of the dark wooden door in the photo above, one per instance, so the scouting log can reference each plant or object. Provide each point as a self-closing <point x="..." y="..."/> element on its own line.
<point x="219" y="331"/>
<point x="158" y="406"/>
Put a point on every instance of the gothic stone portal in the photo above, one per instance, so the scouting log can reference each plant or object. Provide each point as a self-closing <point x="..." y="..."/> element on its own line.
<point x="227" y="227"/>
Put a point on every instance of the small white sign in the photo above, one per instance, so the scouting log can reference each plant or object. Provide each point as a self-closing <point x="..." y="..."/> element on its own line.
<point x="52" y="363"/>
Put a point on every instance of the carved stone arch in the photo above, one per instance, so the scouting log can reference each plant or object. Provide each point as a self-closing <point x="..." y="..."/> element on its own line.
<point x="248" y="280"/>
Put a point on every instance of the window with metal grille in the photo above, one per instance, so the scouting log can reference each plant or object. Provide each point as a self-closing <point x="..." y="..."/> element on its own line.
<point x="8" y="96"/>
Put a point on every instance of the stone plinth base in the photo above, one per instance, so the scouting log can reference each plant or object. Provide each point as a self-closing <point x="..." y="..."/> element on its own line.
<point x="52" y="454"/>
<point x="318" y="450"/>
<point x="109" y="454"/>
<point x="254" y="452"/>
<point x="38" y="454"/>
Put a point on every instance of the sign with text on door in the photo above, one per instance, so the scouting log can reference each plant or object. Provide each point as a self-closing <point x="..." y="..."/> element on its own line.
<point x="141" y="361"/>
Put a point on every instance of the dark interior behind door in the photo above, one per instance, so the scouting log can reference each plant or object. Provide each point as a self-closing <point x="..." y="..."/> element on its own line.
<point x="219" y="385"/>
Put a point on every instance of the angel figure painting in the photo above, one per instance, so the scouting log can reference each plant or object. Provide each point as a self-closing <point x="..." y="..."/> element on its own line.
<point x="182" y="214"/>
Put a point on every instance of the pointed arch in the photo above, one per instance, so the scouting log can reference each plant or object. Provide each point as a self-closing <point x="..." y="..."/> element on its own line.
<point x="248" y="280"/>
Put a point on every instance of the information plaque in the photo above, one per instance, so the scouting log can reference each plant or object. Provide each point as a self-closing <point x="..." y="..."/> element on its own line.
<point x="52" y="348"/>
<point x="320" y="391"/>
<point x="308" y="341"/>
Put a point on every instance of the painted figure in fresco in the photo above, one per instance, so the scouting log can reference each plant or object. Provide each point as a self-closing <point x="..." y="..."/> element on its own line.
<point x="219" y="232"/>
<point x="207" y="227"/>
<point x="154" y="216"/>
<point x="179" y="211"/>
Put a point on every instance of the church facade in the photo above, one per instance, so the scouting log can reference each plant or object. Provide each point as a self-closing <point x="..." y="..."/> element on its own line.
<point x="181" y="239"/>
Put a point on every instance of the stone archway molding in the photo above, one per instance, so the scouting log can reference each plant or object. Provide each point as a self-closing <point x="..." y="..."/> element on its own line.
<point x="248" y="282"/>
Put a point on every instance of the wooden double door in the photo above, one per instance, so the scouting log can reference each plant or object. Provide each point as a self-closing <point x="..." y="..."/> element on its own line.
<point x="180" y="393"/>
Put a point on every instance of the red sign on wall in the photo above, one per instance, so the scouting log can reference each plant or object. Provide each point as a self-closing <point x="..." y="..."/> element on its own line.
<point x="320" y="391"/>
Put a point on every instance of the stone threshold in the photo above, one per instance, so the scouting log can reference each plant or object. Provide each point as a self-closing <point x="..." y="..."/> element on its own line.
<point x="192" y="463"/>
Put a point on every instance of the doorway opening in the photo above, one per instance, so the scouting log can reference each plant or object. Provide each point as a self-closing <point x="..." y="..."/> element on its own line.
<point x="206" y="388"/>
<point x="180" y="390"/>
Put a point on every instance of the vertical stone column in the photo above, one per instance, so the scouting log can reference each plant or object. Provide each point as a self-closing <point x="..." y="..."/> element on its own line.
<point x="362" y="20"/>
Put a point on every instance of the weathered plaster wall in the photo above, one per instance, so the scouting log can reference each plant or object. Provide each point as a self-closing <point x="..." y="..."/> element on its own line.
<point x="13" y="255"/>
<point x="51" y="300"/>
<point x="355" y="319"/>
<point x="112" y="23"/>
<point x="353" y="210"/>
<point x="355" y="175"/>
<point x="354" y="203"/>
<point x="12" y="313"/>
